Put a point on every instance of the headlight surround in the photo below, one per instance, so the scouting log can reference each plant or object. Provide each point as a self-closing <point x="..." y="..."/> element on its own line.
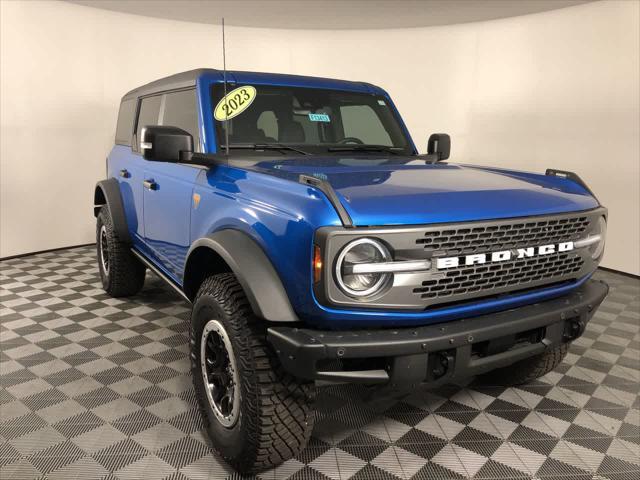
<point x="597" y="248"/>
<point x="363" y="250"/>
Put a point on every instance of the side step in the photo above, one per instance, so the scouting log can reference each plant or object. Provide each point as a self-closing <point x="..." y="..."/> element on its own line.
<point x="160" y="273"/>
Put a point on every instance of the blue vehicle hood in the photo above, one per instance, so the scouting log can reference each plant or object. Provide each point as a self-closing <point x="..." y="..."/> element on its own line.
<point x="403" y="191"/>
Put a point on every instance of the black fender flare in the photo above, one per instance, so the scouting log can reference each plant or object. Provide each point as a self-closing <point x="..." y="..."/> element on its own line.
<point x="254" y="271"/>
<point x="108" y="191"/>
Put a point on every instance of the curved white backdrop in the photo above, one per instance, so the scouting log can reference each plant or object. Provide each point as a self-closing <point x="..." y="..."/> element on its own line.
<point x="556" y="89"/>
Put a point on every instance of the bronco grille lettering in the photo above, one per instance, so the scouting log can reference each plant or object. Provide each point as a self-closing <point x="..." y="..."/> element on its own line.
<point x="503" y="255"/>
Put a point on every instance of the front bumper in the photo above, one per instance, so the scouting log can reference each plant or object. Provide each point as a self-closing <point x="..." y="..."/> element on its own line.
<point x="437" y="353"/>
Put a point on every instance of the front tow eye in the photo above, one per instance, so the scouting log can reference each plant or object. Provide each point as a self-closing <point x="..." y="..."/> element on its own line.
<point x="573" y="329"/>
<point x="440" y="363"/>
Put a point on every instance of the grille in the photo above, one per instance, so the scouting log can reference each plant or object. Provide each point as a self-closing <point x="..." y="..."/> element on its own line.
<point x="515" y="274"/>
<point x="482" y="239"/>
<point x="509" y="275"/>
<point x="436" y="287"/>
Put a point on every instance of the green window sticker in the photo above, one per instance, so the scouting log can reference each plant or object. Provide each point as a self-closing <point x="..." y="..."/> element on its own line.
<point x="319" y="117"/>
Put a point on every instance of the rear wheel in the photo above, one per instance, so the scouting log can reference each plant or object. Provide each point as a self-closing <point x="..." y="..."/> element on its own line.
<point x="529" y="369"/>
<point x="256" y="414"/>
<point x="122" y="274"/>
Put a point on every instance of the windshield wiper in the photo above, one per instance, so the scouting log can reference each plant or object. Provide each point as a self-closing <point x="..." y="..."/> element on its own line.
<point x="263" y="146"/>
<point x="364" y="148"/>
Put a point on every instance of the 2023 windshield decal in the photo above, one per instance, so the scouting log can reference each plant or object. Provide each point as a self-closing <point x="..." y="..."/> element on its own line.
<point x="234" y="103"/>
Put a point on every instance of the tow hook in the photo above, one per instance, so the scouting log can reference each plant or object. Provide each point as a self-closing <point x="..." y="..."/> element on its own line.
<point x="573" y="329"/>
<point x="440" y="363"/>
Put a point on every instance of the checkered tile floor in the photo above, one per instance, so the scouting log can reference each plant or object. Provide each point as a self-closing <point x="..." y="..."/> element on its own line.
<point x="94" y="387"/>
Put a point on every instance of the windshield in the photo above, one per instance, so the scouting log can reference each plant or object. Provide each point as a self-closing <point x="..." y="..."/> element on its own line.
<point x="295" y="120"/>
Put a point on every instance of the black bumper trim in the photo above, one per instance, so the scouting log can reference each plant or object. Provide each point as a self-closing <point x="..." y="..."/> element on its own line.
<point x="410" y="351"/>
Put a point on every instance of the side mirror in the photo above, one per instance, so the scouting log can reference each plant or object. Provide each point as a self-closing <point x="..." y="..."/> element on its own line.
<point x="439" y="145"/>
<point x="164" y="144"/>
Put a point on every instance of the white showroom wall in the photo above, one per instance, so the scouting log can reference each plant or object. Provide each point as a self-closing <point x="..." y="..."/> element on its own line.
<point x="556" y="89"/>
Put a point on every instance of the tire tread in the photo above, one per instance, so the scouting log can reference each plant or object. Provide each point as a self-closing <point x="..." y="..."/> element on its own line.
<point x="127" y="273"/>
<point x="529" y="369"/>
<point x="282" y="414"/>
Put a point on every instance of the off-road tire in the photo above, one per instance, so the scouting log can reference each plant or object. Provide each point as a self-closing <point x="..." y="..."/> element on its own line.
<point x="125" y="273"/>
<point x="529" y="369"/>
<point x="276" y="410"/>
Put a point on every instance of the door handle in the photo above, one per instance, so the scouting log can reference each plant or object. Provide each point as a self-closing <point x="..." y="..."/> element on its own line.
<point x="124" y="173"/>
<point x="150" y="185"/>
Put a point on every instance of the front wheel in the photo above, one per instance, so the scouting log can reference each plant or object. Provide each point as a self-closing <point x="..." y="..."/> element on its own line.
<point x="256" y="414"/>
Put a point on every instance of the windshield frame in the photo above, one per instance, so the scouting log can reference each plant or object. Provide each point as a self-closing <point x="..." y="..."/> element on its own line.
<point x="326" y="149"/>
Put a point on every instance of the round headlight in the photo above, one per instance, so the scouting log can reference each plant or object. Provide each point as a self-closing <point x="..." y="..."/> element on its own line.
<point x="600" y="230"/>
<point x="362" y="251"/>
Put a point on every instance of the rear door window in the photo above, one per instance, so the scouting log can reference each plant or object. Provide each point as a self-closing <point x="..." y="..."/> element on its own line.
<point x="124" y="127"/>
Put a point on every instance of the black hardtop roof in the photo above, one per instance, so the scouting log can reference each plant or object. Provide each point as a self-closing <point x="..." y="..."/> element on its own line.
<point x="188" y="79"/>
<point x="172" y="82"/>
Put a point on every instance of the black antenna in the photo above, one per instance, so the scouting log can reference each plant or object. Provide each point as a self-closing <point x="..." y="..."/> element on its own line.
<point x="224" y="80"/>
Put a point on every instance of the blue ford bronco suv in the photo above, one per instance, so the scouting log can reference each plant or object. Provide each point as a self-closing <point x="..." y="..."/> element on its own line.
<point x="318" y="247"/>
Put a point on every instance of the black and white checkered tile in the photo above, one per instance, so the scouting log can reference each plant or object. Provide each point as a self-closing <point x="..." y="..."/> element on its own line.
<point x="95" y="387"/>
